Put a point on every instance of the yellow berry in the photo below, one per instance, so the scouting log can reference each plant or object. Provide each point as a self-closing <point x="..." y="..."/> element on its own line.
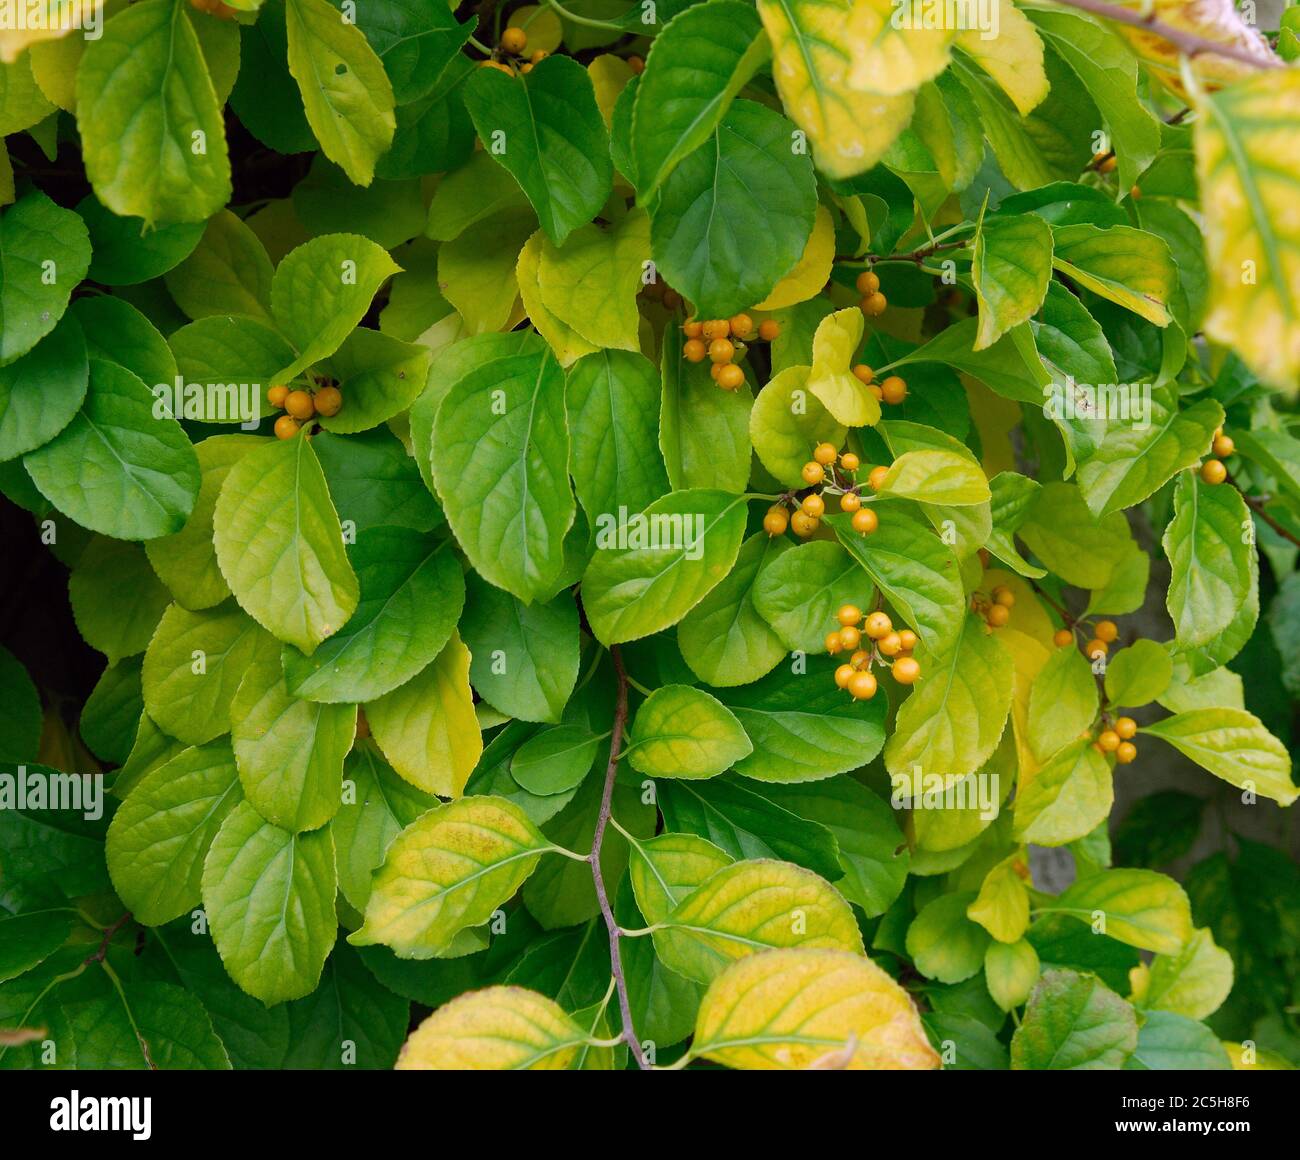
<point x="814" y="505"/>
<point x="769" y="330"/>
<point x="850" y="501"/>
<point x="824" y="453"/>
<point x="721" y="350"/>
<point x="893" y="390"/>
<point x="843" y="675"/>
<point x="694" y="350"/>
<point x="741" y="325"/>
<point x="862" y="686"/>
<point x="803" y="524"/>
<point x="867" y="283"/>
<point x="876" y="477"/>
<point x="908" y="639"/>
<point x="1062" y="637"/>
<point x="299" y="404"/>
<point x="906" y="670"/>
<point x="716" y="328"/>
<point x="1108" y="741"/>
<point x="1126" y="752"/>
<point x="1223" y="446"/>
<point x="693" y="330"/>
<point x="865" y="521"/>
<point x="850" y="637"/>
<point x="1093" y="647"/>
<point x="329" y="401"/>
<point x="849" y="461"/>
<point x="1004" y="596"/>
<point x="286" y="427"/>
<point x="998" y="615"/>
<point x="514" y="40"/>
<point x="729" y="376"/>
<point x="832" y="642"/>
<point x="879" y="625"/>
<point x="849" y="614"/>
<point x="1126" y="727"/>
<point x="1213" y="471"/>
<point x="277" y="395"/>
<point x="873" y="305"/>
<point x="776" y="521"/>
<point x="813" y="473"/>
<point x="890" y="645"/>
<point x="863" y="373"/>
<point x="1106" y="630"/>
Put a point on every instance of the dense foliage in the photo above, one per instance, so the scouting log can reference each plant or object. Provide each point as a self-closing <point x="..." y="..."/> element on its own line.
<point x="618" y="532"/>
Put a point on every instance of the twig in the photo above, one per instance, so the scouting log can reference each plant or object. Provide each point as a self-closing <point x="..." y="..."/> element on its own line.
<point x="1257" y="505"/>
<point x="598" y="838"/>
<point x="1191" y="44"/>
<point x="109" y="932"/>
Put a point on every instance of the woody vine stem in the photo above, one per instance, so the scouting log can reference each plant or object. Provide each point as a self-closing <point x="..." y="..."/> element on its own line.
<point x="598" y="838"/>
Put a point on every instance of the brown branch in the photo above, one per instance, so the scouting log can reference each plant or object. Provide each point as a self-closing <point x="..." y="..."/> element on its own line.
<point x="1257" y="505"/>
<point x="109" y="932"/>
<point x="598" y="838"/>
<point x="1191" y="44"/>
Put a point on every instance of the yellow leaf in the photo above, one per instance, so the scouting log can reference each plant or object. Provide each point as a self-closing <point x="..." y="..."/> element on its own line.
<point x="591" y="282"/>
<point x="1013" y="58"/>
<point x="427" y="728"/>
<point x="1002" y="906"/>
<point x="542" y="25"/>
<point x="1029" y="656"/>
<point x="48" y="20"/>
<point x="609" y="76"/>
<point x="569" y="346"/>
<point x="849" y="130"/>
<point x="813" y="270"/>
<point x="1247" y="145"/>
<point x="476" y="271"/>
<point x="789" y="1010"/>
<point x="495" y="1029"/>
<point x="889" y="59"/>
<point x="840" y="391"/>
<point x="1253" y="1059"/>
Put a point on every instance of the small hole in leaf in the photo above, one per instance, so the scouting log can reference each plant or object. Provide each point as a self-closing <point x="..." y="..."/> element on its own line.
<point x="340" y="69"/>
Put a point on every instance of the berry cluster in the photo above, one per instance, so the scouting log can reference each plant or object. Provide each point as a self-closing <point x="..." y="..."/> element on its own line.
<point x="996" y="607"/>
<point x="887" y="647"/>
<point x="807" y="516"/>
<point x="1212" y="470"/>
<point x="1104" y="633"/>
<point x="301" y="406"/>
<point x="892" y="390"/>
<point x="513" y="43"/>
<point x="722" y="342"/>
<point x="873" y="301"/>
<point x="1116" y="740"/>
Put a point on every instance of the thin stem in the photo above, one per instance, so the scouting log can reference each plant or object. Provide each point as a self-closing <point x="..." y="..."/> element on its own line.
<point x="1191" y="44"/>
<point x="598" y="838"/>
<point x="1257" y="505"/>
<point x="587" y="20"/>
<point x="483" y="48"/>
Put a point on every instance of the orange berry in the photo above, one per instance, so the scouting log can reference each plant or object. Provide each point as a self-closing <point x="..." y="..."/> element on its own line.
<point x="277" y="395"/>
<point x="1213" y="471"/>
<point x="286" y="427"/>
<point x="832" y="643"/>
<point x="893" y="389"/>
<point x="693" y="329"/>
<point x="776" y="521"/>
<point x="721" y="350"/>
<point x="299" y="404"/>
<point x="890" y="645"/>
<point x="1106" y="630"/>
<point x="860" y="658"/>
<point x="716" y="328"/>
<point x="540" y="55"/>
<point x="526" y="67"/>
<point x="906" y="670"/>
<point x="908" y="638"/>
<point x="876" y="392"/>
<point x="843" y="675"/>
<point x="695" y="350"/>
<point x="865" y="521"/>
<point x="879" y="625"/>
<point x="1108" y="741"/>
<point x="849" y="461"/>
<point x="1004" y="596"/>
<point x="1126" y="727"/>
<point x="862" y="686"/>
<point x="1062" y="637"/>
<point x="877" y="477"/>
<point x="329" y="401"/>
<point x="825" y="454"/>
<point x="850" y="501"/>
<point x="1107" y="164"/>
<point x="729" y="376"/>
<point x="1093" y="647"/>
<point x="813" y="473"/>
<point x="741" y="325"/>
<point x="636" y="64"/>
<point x="863" y="373"/>
<point x="998" y="615"/>
<point x="850" y="637"/>
<point x="814" y="505"/>
<point x="868" y="283"/>
<point x="769" y="329"/>
<point x="849" y="614"/>
<point x="803" y="524"/>
<point x="1223" y="446"/>
<point x="1126" y="752"/>
<point x="514" y="40"/>
<point x="873" y="305"/>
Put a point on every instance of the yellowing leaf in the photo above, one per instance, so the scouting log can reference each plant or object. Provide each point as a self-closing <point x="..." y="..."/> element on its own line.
<point x="1013" y="57"/>
<point x="427" y="728"/>
<point x="1194" y="982"/>
<point x="849" y="130"/>
<point x="1002" y="906"/>
<point x="841" y="392"/>
<point x="609" y="76"/>
<point x="569" y="346"/>
<point x="1234" y="745"/>
<point x="813" y="270"/>
<point x="448" y="871"/>
<point x="47" y="20"/>
<point x="810" y="1009"/>
<point x="888" y="57"/>
<point x="1247" y="140"/>
<point x="495" y="1029"/>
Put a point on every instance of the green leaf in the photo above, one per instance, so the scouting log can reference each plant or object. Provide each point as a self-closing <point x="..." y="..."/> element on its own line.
<point x="703" y="431"/>
<point x="611" y="397"/>
<point x="1011" y="272"/>
<point x="377" y="805"/>
<point x="943" y="943"/>
<point x="322" y="289"/>
<point x="476" y="190"/>
<point x="952" y="721"/>
<point x="153" y="138"/>
<point x="228" y="272"/>
<point x="186" y="561"/>
<point x="412" y="592"/>
<point x="1062" y="702"/>
<point x="734" y="217"/>
<point x="229" y="349"/>
<point x="346" y="93"/>
<point x="448" y="871"/>
<point x="27" y="940"/>
<point x="416" y="40"/>
<point x="787" y="421"/>
<point x="119" y="467"/>
<point x="803" y="727"/>
<point x="375" y="482"/>
<point x="749" y="907"/>
<point x="1210" y="545"/>
<point x="667" y="868"/>
<point x="427" y="728"/>
<point x="1011" y="971"/>
<point x="1193" y="983"/>
<point x="840" y="391"/>
<point x="555" y="760"/>
<point x="193" y="667"/>
<point x="1138" y="674"/>
<point x="1080" y="548"/>
<point x="33" y="233"/>
<point x="695" y="69"/>
<point x="1074" y="1022"/>
<point x="1012" y="497"/>
<point x="280" y="546"/>
<point x="116" y="599"/>
<point x="161" y="834"/>
<point x="915" y="570"/>
<point x="723" y="639"/>
<point x="111" y="714"/>
<point x="632" y="591"/>
<point x="799" y="592"/>
<point x="269" y="897"/>
<point x="1002" y="905"/>
<point x="265" y="97"/>
<point x="117" y="332"/>
<point x="546" y="129"/>
<point x="1138" y="907"/>
<point x="290" y="752"/>
<point x="1068" y="797"/>
<point x="20" y="712"/>
<point x="501" y="448"/>
<point x="937" y="477"/>
<point x="476" y="271"/>
<point x="1138" y="457"/>
<point x="1169" y="1042"/>
<point x="683" y="732"/>
<point x="1234" y="745"/>
<point x="1130" y="267"/>
<point x="125" y="252"/>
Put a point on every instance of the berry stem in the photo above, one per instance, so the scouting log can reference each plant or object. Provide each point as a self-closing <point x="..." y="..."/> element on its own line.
<point x="1257" y="505"/>
<point x="585" y="20"/>
<point x="602" y="897"/>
